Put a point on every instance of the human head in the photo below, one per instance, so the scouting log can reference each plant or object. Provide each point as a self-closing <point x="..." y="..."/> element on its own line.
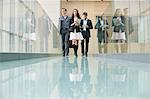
<point x="118" y="12"/>
<point x="125" y="10"/>
<point x="103" y="16"/>
<point x="75" y="13"/>
<point x="63" y="11"/>
<point x="85" y="15"/>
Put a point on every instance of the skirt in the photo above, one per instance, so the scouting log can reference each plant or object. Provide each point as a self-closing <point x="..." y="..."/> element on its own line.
<point x="118" y="36"/>
<point x="76" y="36"/>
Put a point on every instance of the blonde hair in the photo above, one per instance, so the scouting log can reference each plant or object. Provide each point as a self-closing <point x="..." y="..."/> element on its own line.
<point x="116" y="12"/>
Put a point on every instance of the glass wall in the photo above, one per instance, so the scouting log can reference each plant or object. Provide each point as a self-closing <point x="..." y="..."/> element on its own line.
<point x="139" y="11"/>
<point x="135" y="16"/>
<point x="26" y="28"/>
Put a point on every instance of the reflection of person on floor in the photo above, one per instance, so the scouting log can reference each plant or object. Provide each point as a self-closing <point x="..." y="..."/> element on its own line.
<point x="86" y="25"/>
<point x="102" y="78"/>
<point x="119" y="80"/>
<point x="80" y="79"/>
<point x="118" y="27"/>
<point x="64" y="23"/>
<point x="75" y="32"/>
<point x="102" y="33"/>
<point x="86" y="86"/>
<point x="111" y="80"/>
<point x="65" y="86"/>
<point x="128" y="27"/>
<point x="75" y="79"/>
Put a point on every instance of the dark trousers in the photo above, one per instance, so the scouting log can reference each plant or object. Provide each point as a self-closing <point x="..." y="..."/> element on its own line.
<point x="86" y="40"/>
<point x="102" y="38"/>
<point x="65" y="45"/>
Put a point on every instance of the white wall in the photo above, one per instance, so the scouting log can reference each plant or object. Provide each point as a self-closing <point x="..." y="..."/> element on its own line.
<point x="52" y="8"/>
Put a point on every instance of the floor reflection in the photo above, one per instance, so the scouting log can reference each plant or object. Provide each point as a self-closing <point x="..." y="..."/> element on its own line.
<point x="75" y="78"/>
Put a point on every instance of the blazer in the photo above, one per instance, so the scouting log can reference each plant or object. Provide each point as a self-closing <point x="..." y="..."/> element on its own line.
<point x="90" y="26"/>
<point x="119" y="27"/>
<point x="64" y="24"/>
<point x="72" y="28"/>
<point x="100" y="31"/>
<point x="128" y="24"/>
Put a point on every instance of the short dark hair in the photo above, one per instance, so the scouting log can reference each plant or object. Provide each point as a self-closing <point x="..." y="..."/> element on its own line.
<point x="64" y="9"/>
<point x="85" y="13"/>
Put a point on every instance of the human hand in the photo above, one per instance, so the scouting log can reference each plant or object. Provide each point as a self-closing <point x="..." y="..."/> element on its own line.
<point x="87" y="26"/>
<point x="73" y="24"/>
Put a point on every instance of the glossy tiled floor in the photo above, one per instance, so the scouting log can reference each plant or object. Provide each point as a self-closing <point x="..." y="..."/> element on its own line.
<point x="74" y="78"/>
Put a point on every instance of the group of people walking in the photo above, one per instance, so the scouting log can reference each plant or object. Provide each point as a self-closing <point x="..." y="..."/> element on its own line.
<point x="76" y="28"/>
<point x="73" y="29"/>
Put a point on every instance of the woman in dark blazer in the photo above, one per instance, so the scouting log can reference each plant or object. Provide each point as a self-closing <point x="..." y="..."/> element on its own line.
<point x="75" y="31"/>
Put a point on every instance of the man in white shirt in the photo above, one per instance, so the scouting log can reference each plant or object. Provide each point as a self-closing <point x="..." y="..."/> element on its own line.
<point x="86" y="25"/>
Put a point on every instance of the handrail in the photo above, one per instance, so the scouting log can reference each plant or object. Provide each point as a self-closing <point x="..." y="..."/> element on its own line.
<point x="11" y="33"/>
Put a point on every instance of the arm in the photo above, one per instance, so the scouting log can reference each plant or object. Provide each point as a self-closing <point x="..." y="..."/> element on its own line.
<point x="97" y="26"/>
<point x="71" y="23"/>
<point x="113" y="24"/>
<point x="81" y="24"/>
<point x="90" y="25"/>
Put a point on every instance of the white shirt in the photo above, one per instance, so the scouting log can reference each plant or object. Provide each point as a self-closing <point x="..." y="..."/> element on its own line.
<point x="102" y="24"/>
<point x="65" y="17"/>
<point x="84" y="24"/>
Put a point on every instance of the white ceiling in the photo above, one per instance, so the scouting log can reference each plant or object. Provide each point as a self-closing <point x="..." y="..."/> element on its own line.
<point x="103" y="0"/>
<point x="86" y="0"/>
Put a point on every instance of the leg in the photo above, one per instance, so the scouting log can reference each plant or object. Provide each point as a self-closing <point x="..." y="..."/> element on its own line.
<point x="82" y="47"/>
<point x="67" y="44"/>
<point x="73" y="42"/>
<point x="87" y="46"/>
<point x="117" y="46"/>
<point x="99" y="47"/>
<point x="126" y="42"/>
<point x="63" y="43"/>
<point x="76" y="42"/>
<point x="76" y="49"/>
<point x="100" y="39"/>
<point x="123" y="46"/>
<point x="105" y="42"/>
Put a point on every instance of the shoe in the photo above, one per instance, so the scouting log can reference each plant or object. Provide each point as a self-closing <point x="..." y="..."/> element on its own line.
<point x="82" y="54"/>
<point x="67" y="55"/>
<point x="86" y="54"/>
<point x="76" y="54"/>
<point x="63" y="54"/>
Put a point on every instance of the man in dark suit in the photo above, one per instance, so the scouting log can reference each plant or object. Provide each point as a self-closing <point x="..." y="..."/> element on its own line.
<point x="86" y="25"/>
<point x="64" y="23"/>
